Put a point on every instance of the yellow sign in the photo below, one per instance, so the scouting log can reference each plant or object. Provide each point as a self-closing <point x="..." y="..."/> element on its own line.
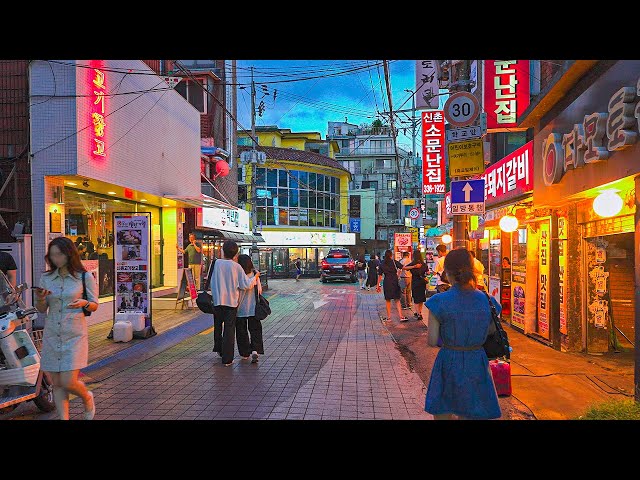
<point x="415" y="234"/>
<point x="466" y="158"/>
<point x="408" y="201"/>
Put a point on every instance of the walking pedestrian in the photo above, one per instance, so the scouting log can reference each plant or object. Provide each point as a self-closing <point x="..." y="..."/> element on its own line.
<point x="194" y="257"/>
<point x="361" y="269"/>
<point x="461" y="382"/>
<point x="478" y="271"/>
<point x="419" y="268"/>
<point x="405" y="282"/>
<point x="442" y="283"/>
<point x="389" y="268"/>
<point x="298" y="269"/>
<point x="65" y="343"/>
<point x="372" y="272"/>
<point x="246" y="323"/>
<point x="227" y="279"/>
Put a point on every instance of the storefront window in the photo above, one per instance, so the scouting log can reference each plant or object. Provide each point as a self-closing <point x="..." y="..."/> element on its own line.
<point x="272" y="177"/>
<point x="90" y="216"/>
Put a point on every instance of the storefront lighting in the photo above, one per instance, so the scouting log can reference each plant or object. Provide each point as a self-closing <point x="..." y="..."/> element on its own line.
<point x="508" y="223"/>
<point x="165" y="205"/>
<point x="486" y="233"/>
<point x="57" y="191"/>
<point x="81" y="193"/>
<point x="447" y="239"/>
<point x="72" y="184"/>
<point x="143" y="199"/>
<point x="608" y="203"/>
<point x="111" y="193"/>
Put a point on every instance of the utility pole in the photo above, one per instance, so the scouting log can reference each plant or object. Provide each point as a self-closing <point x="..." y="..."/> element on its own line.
<point x="393" y="134"/>
<point x="461" y="222"/>
<point x="255" y="252"/>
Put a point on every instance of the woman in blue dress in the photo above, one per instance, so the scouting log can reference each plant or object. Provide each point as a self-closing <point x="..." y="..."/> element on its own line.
<point x="461" y="383"/>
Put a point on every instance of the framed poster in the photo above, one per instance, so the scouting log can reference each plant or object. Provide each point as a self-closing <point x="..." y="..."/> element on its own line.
<point x="562" y="272"/>
<point x="543" y="279"/>
<point x="132" y="252"/>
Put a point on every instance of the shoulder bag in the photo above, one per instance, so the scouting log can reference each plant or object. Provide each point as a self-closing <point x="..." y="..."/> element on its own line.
<point x="204" y="300"/>
<point x="497" y="342"/>
<point x="263" y="310"/>
<point x="84" y="295"/>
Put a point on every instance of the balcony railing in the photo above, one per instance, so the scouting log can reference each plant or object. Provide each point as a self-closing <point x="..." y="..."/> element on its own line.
<point x="361" y="151"/>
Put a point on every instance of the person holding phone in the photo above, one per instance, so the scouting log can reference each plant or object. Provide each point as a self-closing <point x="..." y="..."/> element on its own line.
<point x="65" y="343"/>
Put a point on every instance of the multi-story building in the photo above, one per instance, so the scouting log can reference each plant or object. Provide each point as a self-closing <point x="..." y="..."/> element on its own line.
<point x="300" y="198"/>
<point x="368" y="153"/>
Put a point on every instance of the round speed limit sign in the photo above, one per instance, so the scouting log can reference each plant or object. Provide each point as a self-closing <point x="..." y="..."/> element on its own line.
<point x="461" y="109"/>
<point x="414" y="213"/>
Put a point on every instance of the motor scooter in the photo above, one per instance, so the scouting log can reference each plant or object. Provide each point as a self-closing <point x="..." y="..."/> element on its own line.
<point x="21" y="379"/>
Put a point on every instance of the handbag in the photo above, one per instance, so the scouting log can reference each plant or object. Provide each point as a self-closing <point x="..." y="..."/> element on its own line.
<point x="204" y="300"/>
<point x="84" y="295"/>
<point x="263" y="310"/>
<point x="497" y="342"/>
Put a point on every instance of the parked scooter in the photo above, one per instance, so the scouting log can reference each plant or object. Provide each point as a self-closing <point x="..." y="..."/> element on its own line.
<point x="21" y="379"/>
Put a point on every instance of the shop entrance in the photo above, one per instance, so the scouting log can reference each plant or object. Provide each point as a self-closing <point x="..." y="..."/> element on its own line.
<point x="610" y="306"/>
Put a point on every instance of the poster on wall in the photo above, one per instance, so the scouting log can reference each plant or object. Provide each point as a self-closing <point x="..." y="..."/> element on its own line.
<point x="562" y="272"/>
<point x="543" y="280"/>
<point x="133" y="266"/>
<point x="518" y="289"/>
<point x="494" y="288"/>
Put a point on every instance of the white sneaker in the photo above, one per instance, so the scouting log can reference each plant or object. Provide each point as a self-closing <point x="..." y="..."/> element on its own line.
<point x="91" y="412"/>
<point x="403" y="319"/>
<point x="254" y="357"/>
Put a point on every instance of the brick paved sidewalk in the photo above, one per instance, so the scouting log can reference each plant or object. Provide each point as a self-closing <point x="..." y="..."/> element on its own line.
<point x="336" y="361"/>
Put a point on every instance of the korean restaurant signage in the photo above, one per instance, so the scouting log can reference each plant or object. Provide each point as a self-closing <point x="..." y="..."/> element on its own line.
<point x="426" y="85"/>
<point x="465" y="158"/>
<point x="229" y="220"/>
<point x="510" y="177"/>
<point x="543" y="280"/>
<point x="433" y="155"/>
<point x="354" y="206"/>
<point x="506" y="92"/>
<point x="132" y="259"/>
<point x="447" y="205"/>
<point x="402" y="241"/>
<point x="593" y="139"/>
<point x="562" y="271"/>
<point x="98" y="89"/>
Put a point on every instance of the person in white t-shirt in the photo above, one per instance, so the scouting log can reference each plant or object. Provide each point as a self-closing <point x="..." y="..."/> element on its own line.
<point x="478" y="271"/>
<point x="227" y="279"/>
<point x="438" y="269"/>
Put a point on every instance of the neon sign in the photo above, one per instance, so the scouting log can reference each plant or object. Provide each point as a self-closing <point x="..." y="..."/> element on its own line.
<point x="98" y="87"/>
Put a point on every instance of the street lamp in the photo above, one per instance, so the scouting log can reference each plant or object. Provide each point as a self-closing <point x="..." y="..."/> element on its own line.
<point x="608" y="203"/>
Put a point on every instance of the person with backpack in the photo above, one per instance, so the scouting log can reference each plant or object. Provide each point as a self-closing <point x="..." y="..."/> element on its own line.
<point x="247" y="325"/>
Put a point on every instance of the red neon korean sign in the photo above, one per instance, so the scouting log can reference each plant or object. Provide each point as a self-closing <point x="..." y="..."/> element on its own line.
<point x="510" y="177"/>
<point x="97" y="108"/>
<point x="433" y="158"/>
<point x="506" y="92"/>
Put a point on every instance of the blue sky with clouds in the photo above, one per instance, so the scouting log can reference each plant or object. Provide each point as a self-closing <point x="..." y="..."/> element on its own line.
<point x="308" y="105"/>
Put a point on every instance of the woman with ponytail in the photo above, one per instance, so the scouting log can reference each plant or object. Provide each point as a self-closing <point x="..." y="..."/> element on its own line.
<point x="461" y="383"/>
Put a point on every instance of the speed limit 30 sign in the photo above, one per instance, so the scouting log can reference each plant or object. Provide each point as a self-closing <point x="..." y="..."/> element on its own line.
<point x="461" y="109"/>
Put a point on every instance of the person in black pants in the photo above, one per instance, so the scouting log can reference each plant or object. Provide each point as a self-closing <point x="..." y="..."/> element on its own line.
<point x="227" y="279"/>
<point x="246" y="322"/>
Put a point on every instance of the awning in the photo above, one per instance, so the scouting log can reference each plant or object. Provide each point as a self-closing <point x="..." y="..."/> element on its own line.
<point x="236" y="237"/>
<point x="201" y="201"/>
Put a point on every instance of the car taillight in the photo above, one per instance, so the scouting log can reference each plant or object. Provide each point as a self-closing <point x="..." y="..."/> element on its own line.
<point x="351" y="263"/>
<point x="325" y="263"/>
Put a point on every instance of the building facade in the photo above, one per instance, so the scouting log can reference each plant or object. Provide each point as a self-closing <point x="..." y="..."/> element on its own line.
<point x="300" y="199"/>
<point x="369" y="155"/>
<point x="93" y="155"/>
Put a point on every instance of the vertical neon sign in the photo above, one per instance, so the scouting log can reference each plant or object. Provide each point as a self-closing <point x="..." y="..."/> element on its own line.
<point x="98" y="88"/>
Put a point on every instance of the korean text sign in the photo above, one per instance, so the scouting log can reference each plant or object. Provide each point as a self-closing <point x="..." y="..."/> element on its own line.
<point x="506" y="92"/>
<point x="433" y="153"/>
<point x="510" y="177"/>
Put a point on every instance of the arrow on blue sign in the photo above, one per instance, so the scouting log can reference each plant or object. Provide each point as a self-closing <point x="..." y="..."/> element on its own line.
<point x="467" y="191"/>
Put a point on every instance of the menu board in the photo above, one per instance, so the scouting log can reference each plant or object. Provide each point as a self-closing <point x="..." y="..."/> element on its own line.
<point x="132" y="264"/>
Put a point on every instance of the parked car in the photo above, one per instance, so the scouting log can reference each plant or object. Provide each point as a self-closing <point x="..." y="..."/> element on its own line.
<point x="338" y="265"/>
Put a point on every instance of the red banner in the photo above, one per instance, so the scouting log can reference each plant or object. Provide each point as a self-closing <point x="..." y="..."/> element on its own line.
<point x="506" y="92"/>
<point x="510" y="177"/>
<point x="433" y="157"/>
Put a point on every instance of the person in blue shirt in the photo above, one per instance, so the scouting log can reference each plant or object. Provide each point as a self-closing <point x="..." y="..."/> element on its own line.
<point x="461" y="383"/>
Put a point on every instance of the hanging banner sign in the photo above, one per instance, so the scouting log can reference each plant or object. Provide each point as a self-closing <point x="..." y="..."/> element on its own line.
<point x="562" y="272"/>
<point x="133" y="261"/>
<point x="506" y="92"/>
<point x="433" y="154"/>
<point x="543" y="281"/>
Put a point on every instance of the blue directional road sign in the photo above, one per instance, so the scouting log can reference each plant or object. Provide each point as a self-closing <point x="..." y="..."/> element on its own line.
<point x="467" y="197"/>
<point x="354" y="225"/>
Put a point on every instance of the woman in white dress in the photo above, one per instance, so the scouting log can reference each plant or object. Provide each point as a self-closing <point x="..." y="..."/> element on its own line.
<point x="65" y="343"/>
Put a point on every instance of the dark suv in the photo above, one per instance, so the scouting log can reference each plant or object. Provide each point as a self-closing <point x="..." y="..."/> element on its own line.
<point x="338" y="265"/>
